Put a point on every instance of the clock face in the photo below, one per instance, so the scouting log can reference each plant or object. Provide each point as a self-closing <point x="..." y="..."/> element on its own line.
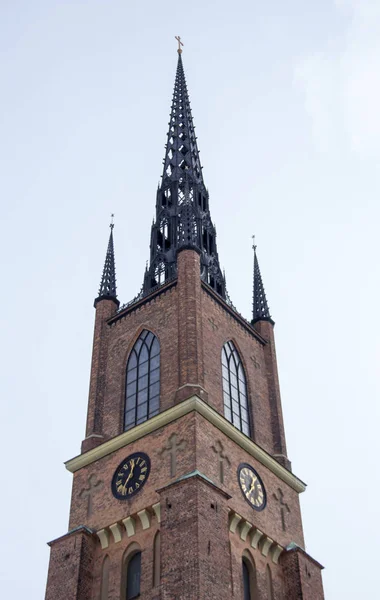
<point x="131" y="475"/>
<point x="252" y="486"/>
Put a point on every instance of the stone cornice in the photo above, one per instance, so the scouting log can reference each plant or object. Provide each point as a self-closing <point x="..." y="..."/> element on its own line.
<point x="80" y="529"/>
<point x="193" y="404"/>
<point x="197" y="475"/>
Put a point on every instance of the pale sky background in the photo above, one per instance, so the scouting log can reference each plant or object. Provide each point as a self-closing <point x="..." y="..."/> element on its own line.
<point x="286" y="101"/>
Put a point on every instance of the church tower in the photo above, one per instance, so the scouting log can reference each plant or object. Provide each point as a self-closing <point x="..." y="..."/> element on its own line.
<point x="183" y="489"/>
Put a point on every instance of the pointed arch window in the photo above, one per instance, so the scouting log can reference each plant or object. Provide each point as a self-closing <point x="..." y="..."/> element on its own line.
<point x="249" y="578"/>
<point x="105" y="578"/>
<point x="159" y="273"/>
<point x="246" y="582"/>
<point x="133" y="576"/>
<point x="143" y="381"/>
<point x="156" y="559"/>
<point x="234" y="389"/>
<point x="269" y="583"/>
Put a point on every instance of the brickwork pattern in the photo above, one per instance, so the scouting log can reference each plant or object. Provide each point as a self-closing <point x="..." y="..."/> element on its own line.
<point x="200" y="558"/>
<point x="71" y="568"/>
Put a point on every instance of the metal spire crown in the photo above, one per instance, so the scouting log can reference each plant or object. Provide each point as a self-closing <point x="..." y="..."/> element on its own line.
<point x="182" y="154"/>
<point x="107" y="289"/>
<point x="260" y="304"/>
<point x="182" y="207"/>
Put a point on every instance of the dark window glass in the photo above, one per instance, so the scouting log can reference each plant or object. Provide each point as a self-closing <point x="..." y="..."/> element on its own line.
<point x="134" y="576"/>
<point x="246" y="583"/>
<point x="142" y="381"/>
<point x="234" y="389"/>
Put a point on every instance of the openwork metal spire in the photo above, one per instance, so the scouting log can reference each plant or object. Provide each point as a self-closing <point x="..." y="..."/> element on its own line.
<point x="107" y="289"/>
<point x="182" y="207"/>
<point x="182" y="154"/>
<point x="260" y="304"/>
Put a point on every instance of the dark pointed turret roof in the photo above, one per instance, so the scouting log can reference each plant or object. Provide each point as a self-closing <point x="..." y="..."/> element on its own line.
<point x="182" y="208"/>
<point x="260" y="304"/>
<point x="107" y="289"/>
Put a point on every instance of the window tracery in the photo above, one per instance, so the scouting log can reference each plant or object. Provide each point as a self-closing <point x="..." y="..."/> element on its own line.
<point x="142" y="395"/>
<point x="234" y="389"/>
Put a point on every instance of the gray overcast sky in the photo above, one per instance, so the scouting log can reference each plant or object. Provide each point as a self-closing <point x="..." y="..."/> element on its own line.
<point x="285" y="97"/>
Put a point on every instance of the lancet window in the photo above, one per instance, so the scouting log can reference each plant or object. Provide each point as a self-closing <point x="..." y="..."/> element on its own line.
<point x="133" y="576"/>
<point x="160" y="273"/>
<point x="249" y="577"/>
<point x="234" y="389"/>
<point x="142" y="399"/>
<point x="246" y="582"/>
<point x="163" y="236"/>
<point x="269" y="583"/>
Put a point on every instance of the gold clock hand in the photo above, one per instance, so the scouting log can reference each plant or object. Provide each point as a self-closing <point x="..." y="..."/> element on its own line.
<point x="130" y="474"/>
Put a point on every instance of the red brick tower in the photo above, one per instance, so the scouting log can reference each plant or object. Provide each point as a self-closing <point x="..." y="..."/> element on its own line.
<point x="183" y="489"/>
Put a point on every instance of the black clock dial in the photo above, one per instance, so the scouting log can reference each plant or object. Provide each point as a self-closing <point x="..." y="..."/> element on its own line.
<point x="252" y="486"/>
<point x="131" y="475"/>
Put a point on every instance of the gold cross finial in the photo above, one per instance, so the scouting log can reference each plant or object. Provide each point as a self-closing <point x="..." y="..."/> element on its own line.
<point x="178" y="38"/>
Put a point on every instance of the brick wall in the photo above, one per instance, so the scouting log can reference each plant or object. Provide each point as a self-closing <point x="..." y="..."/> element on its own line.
<point x="200" y="557"/>
<point x="71" y="567"/>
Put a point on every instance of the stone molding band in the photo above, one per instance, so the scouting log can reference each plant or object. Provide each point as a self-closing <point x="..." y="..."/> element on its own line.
<point x="193" y="404"/>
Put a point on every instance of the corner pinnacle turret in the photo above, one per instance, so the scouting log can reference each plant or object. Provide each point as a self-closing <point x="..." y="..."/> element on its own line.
<point x="182" y="205"/>
<point x="260" y="304"/>
<point x="107" y="289"/>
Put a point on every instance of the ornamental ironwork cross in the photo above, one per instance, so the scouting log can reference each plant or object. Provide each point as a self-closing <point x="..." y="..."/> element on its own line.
<point x="222" y="458"/>
<point x="87" y="492"/>
<point x="283" y="506"/>
<point x="178" y="38"/>
<point x="171" y="450"/>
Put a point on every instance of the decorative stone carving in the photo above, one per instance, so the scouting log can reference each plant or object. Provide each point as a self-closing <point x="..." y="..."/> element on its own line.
<point x="265" y="545"/>
<point x="284" y="508"/>
<point x="276" y="552"/>
<point x="130" y="526"/>
<point x="116" y="532"/>
<point x="88" y="492"/>
<point x="222" y="458"/>
<point x="144" y="517"/>
<point x="244" y="530"/>
<point x="171" y="450"/>
<point x="103" y="537"/>
<point x="157" y="511"/>
<point x="234" y="521"/>
<point x="256" y="537"/>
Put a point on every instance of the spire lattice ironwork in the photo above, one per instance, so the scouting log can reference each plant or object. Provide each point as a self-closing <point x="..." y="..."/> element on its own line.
<point x="107" y="289"/>
<point x="182" y="207"/>
<point x="260" y="304"/>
